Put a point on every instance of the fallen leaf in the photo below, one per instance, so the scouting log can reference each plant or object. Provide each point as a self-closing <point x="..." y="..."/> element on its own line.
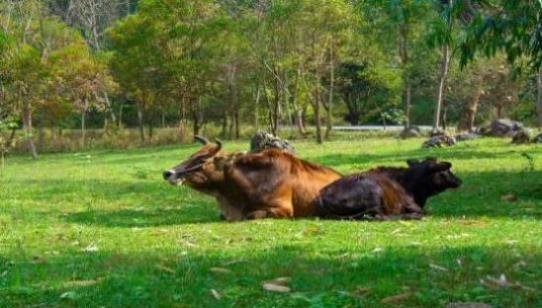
<point x="81" y="283"/>
<point x="275" y="288"/>
<point x="91" y="248"/>
<point x="220" y="270"/>
<point x="438" y="267"/>
<point x="511" y="242"/>
<point x="68" y="295"/>
<point x="396" y="231"/>
<point x="396" y="298"/>
<point x="280" y="280"/>
<point x="215" y="294"/>
<point x="362" y="290"/>
<point x="232" y="262"/>
<point x="509" y="198"/>
<point x="165" y="269"/>
<point x="277" y="285"/>
<point x="187" y="243"/>
<point x="468" y="305"/>
<point x="38" y="260"/>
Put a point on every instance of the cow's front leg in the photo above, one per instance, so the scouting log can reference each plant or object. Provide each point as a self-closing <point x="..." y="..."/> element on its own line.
<point x="269" y="213"/>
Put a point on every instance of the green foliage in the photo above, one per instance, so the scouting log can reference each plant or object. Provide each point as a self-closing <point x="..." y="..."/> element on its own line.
<point x="510" y="26"/>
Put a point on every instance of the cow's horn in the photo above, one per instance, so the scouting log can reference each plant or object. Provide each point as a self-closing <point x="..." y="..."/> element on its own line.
<point x="201" y="139"/>
<point x="218" y="143"/>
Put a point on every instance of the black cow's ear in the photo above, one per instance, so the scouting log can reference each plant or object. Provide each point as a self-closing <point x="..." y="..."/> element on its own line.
<point x="442" y="166"/>
<point x="411" y="162"/>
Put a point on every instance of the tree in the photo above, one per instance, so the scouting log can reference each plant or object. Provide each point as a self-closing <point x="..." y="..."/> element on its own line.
<point x="399" y="25"/>
<point x="510" y="26"/>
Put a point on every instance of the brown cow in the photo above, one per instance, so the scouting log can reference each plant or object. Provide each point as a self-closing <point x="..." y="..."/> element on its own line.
<point x="386" y="192"/>
<point x="270" y="183"/>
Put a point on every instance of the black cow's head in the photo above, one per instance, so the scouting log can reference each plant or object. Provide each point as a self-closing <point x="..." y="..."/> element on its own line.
<point x="429" y="177"/>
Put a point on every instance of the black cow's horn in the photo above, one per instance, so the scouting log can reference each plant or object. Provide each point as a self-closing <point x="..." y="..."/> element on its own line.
<point x="201" y="139"/>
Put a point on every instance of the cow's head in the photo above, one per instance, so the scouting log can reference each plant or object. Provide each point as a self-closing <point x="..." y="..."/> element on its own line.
<point x="429" y="177"/>
<point x="196" y="170"/>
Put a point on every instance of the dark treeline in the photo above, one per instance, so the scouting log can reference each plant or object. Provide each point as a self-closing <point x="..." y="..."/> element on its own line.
<point x="110" y="64"/>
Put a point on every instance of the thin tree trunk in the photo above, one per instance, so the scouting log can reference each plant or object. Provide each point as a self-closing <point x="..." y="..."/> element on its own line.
<point x="257" y="109"/>
<point x="467" y="123"/>
<point x="317" y="108"/>
<point x="298" y="113"/>
<point x="403" y="54"/>
<point x="408" y="104"/>
<point x="236" y="120"/>
<point x="41" y="131"/>
<point x="119" y="123"/>
<point x="329" y="121"/>
<point x="27" y="124"/>
<point x="539" y="97"/>
<point x="230" y="127"/>
<point x="140" y="124"/>
<point x="224" y="125"/>
<point x="442" y="84"/>
<point x="83" y="124"/>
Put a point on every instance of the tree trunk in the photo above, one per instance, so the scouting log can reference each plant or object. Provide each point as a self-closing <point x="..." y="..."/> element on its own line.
<point x="140" y="124"/>
<point x="236" y="125"/>
<point x="224" y="125"/>
<point x="442" y="84"/>
<point x="298" y="113"/>
<point x="151" y="130"/>
<point x="467" y="123"/>
<point x="317" y="108"/>
<point x="27" y="124"/>
<point x="119" y="123"/>
<point x="329" y="121"/>
<point x="257" y="109"/>
<point x="41" y="131"/>
<point x="83" y="124"/>
<point x="539" y="97"/>
<point x="408" y="104"/>
<point x="230" y="127"/>
<point x="196" y="126"/>
<point x="403" y="55"/>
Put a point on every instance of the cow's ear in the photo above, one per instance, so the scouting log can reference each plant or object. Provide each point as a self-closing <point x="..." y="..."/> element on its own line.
<point x="442" y="166"/>
<point x="412" y="162"/>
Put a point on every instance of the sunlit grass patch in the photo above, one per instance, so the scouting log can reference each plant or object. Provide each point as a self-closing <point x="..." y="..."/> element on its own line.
<point x="103" y="229"/>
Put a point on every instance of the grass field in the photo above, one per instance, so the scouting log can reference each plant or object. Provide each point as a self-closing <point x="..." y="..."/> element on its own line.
<point x="103" y="229"/>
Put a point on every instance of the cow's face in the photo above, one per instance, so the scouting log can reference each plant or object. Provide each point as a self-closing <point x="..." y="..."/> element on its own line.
<point x="432" y="175"/>
<point x="195" y="171"/>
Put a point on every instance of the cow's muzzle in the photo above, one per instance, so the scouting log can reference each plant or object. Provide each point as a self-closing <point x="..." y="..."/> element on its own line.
<point x="173" y="177"/>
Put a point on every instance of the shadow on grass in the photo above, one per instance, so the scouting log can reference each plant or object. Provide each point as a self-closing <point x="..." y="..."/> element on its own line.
<point x="492" y="194"/>
<point x="373" y="160"/>
<point x="325" y="276"/>
<point x="130" y="218"/>
<point x="482" y="195"/>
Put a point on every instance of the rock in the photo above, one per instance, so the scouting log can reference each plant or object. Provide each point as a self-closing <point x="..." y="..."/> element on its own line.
<point x="537" y="139"/>
<point x="410" y="132"/>
<point x="467" y="136"/>
<point x="437" y="132"/>
<point x="521" y="137"/>
<point x="501" y="128"/>
<point x="262" y="140"/>
<point x="439" y="141"/>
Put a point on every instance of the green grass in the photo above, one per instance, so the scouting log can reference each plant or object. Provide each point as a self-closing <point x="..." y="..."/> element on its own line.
<point x="103" y="229"/>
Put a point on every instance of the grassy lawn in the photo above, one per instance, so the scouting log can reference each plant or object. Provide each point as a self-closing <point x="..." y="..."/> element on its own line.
<point x="103" y="229"/>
